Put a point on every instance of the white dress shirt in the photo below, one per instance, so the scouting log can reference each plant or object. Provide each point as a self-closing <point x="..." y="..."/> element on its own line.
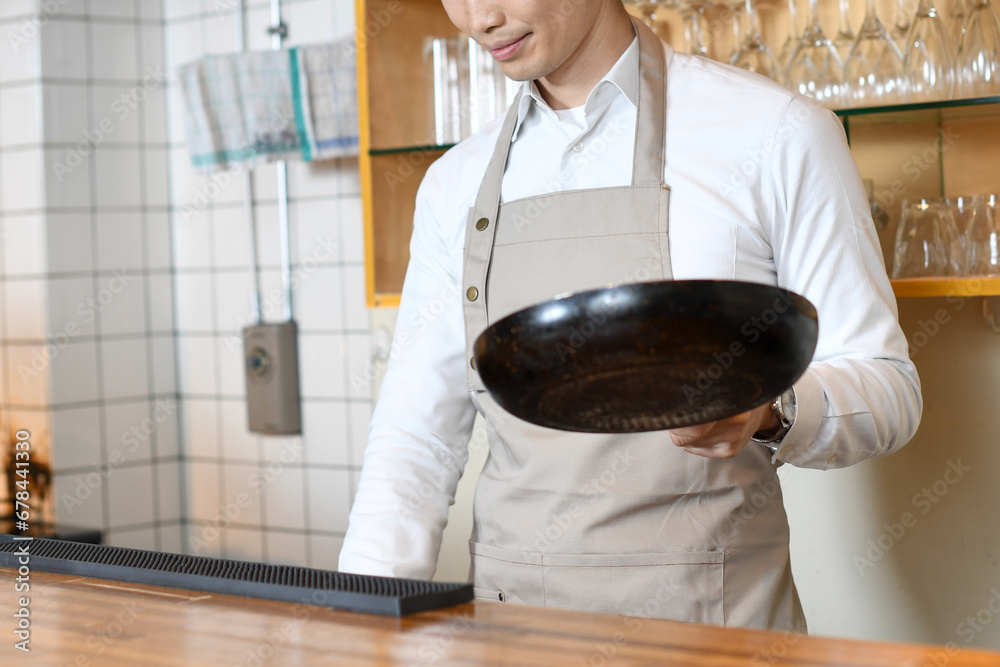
<point x="763" y="189"/>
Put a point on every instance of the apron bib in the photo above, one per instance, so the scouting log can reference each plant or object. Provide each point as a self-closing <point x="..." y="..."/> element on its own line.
<point x="612" y="523"/>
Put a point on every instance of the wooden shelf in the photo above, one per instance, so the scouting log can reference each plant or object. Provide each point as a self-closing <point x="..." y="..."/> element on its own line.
<point x="395" y="131"/>
<point x="921" y="287"/>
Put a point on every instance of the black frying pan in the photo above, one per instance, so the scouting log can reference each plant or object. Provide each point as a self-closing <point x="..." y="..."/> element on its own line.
<point x="647" y="356"/>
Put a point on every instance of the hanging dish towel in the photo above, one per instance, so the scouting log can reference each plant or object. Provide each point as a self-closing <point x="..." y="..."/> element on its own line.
<point x="295" y="104"/>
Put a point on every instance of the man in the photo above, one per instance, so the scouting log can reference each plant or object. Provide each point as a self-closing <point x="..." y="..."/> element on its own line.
<point x="592" y="179"/>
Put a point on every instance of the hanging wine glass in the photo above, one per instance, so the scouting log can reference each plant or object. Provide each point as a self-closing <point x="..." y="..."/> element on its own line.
<point x="697" y="44"/>
<point x="792" y="39"/>
<point x="845" y="37"/>
<point x="956" y="21"/>
<point x="977" y="62"/>
<point x="735" y="9"/>
<point x="874" y="71"/>
<point x="928" y="62"/>
<point x="753" y="53"/>
<point x="815" y="69"/>
<point x="901" y="24"/>
<point x="643" y="8"/>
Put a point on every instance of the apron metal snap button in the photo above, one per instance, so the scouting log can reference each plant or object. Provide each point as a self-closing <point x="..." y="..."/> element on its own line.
<point x="472" y="294"/>
<point x="500" y="596"/>
<point x="482" y="224"/>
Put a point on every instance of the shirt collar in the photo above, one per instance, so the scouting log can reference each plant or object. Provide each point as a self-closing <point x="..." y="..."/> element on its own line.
<point x="622" y="78"/>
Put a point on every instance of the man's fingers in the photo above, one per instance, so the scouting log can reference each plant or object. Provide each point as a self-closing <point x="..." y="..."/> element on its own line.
<point x="722" y="450"/>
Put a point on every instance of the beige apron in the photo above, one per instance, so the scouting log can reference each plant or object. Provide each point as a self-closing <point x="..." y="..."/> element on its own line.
<point x="624" y="524"/>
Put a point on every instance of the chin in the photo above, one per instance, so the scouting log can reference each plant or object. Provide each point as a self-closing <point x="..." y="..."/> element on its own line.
<point x="524" y="71"/>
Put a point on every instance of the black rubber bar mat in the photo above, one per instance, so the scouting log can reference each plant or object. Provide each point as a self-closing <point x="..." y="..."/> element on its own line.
<point x="337" y="590"/>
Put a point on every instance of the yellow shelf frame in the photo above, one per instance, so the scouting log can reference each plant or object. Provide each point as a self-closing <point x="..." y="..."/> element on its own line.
<point x="921" y="287"/>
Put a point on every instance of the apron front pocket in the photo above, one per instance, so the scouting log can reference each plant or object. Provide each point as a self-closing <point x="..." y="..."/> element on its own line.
<point x="678" y="585"/>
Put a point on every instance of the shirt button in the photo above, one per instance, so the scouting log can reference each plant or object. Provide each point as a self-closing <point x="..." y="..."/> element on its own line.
<point x="472" y="294"/>
<point x="578" y="148"/>
<point x="482" y="224"/>
<point x="832" y="460"/>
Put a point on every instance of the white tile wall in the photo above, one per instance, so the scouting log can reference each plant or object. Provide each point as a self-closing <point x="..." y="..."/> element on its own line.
<point x="124" y="367"/>
<point x="80" y="429"/>
<point x="12" y="8"/>
<point x="67" y="175"/>
<point x="194" y="302"/>
<point x="197" y="364"/>
<point x="69" y="243"/>
<point x="80" y="498"/>
<point x="24" y="304"/>
<point x="114" y="53"/>
<point x="120" y="242"/>
<point x="129" y="428"/>
<point x="112" y="107"/>
<point x="24" y="246"/>
<point x="286" y="548"/>
<point x="22" y="187"/>
<point x="79" y="176"/>
<point x="20" y="121"/>
<point x="64" y="49"/>
<point x="118" y="177"/>
<point x="130" y="496"/>
<point x="285" y="498"/>
<point x="58" y="125"/>
<point x="114" y="8"/>
<point x="74" y="374"/>
<point x="244" y="488"/>
<point x="164" y="366"/>
<point x="22" y="60"/>
<point x="329" y="499"/>
<point x="72" y="309"/>
<point x="28" y="383"/>
<point x="169" y="488"/>
<point x="229" y="230"/>
<point x="134" y="202"/>
<point x="325" y="426"/>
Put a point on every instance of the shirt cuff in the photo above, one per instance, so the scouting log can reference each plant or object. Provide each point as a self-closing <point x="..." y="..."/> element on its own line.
<point x="809" y="406"/>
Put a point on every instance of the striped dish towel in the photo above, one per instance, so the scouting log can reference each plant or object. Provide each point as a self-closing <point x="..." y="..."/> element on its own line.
<point x="261" y="106"/>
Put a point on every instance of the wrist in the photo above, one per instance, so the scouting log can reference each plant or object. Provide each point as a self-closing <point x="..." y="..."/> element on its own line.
<point x="778" y="422"/>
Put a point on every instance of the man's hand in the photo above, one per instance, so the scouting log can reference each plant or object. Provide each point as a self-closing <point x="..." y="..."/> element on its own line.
<point x="725" y="438"/>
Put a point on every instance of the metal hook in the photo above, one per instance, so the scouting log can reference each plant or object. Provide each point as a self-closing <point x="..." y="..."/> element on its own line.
<point x="991" y="312"/>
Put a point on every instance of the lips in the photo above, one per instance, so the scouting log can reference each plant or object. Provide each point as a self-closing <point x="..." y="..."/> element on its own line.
<point x="507" y="50"/>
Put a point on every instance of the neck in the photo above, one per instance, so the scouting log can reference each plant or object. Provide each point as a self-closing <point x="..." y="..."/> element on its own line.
<point x="569" y="85"/>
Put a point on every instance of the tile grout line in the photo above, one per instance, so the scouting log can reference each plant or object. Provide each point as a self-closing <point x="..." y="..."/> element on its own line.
<point x="148" y="304"/>
<point x="95" y="254"/>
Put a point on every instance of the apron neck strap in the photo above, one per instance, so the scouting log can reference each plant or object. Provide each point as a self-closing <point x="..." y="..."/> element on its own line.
<point x="649" y="152"/>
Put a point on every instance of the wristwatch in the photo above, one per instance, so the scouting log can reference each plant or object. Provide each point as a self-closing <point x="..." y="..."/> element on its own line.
<point x="783" y="408"/>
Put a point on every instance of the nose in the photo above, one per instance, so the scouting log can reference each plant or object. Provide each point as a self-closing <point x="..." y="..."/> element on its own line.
<point x="484" y="16"/>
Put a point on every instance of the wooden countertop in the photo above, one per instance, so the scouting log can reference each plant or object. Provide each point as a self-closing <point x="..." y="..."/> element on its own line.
<point x="81" y="622"/>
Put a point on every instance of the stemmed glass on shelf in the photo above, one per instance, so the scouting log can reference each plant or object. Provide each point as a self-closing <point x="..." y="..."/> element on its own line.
<point x="874" y="71"/>
<point x="845" y="37"/>
<point x="814" y="68"/>
<point x="901" y="25"/>
<point x="928" y="61"/>
<point x="956" y="21"/>
<point x="977" y="61"/>
<point x="792" y="39"/>
<point x="753" y="54"/>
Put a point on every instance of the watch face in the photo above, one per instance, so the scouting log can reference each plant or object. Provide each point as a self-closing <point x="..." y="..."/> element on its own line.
<point x="788" y="406"/>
